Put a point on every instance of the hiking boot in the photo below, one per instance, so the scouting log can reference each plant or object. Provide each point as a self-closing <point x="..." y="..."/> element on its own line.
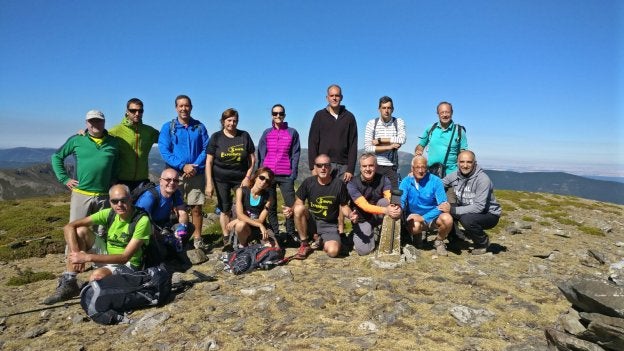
<point x="317" y="242"/>
<point x="440" y="248"/>
<point x="198" y="244"/>
<point x="66" y="289"/>
<point x="303" y="252"/>
<point x="227" y="245"/>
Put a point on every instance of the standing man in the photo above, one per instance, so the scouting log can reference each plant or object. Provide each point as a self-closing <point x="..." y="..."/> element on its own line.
<point x="422" y="194"/>
<point x="279" y="150"/>
<point x="135" y="144"/>
<point x="384" y="136"/>
<point x="370" y="192"/>
<point x="97" y="165"/>
<point x="445" y="139"/>
<point x="326" y="196"/>
<point x="476" y="208"/>
<point x="120" y="250"/>
<point x="333" y="132"/>
<point x="182" y="144"/>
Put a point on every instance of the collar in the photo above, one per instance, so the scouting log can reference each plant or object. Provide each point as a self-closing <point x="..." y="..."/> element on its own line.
<point x="126" y="122"/>
<point x="450" y="126"/>
<point x="284" y="125"/>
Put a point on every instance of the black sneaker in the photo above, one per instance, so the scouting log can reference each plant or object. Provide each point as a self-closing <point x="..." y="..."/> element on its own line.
<point x="66" y="289"/>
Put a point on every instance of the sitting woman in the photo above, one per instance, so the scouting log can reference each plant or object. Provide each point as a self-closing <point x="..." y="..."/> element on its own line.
<point x="252" y="208"/>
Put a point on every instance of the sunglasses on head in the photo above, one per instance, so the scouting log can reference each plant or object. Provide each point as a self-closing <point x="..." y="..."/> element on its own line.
<point x="116" y="201"/>
<point x="169" y="180"/>
<point x="282" y="114"/>
<point x="321" y="165"/>
<point x="135" y="110"/>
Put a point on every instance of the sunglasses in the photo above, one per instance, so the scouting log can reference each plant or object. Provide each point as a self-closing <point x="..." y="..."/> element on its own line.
<point x="282" y="114"/>
<point x="135" y="110"/>
<point x="263" y="178"/>
<point x="322" y="165"/>
<point x="171" y="180"/>
<point x="117" y="201"/>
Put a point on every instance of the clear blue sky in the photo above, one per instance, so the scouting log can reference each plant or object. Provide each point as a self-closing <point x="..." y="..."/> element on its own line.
<point x="537" y="83"/>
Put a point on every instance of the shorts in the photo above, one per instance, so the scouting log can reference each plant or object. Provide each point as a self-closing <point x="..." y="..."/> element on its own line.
<point x="193" y="189"/>
<point x="327" y="231"/>
<point x="82" y="205"/>
<point x="224" y="191"/>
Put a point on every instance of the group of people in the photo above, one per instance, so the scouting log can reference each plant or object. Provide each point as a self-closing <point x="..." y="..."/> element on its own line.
<point x="110" y="164"/>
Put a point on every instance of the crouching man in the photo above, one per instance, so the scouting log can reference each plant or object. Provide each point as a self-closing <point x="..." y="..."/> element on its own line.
<point x="120" y="251"/>
<point x="370" y="192"/>
<point x="326" y="197"/>
<point x="476" y="208"/>
<point x="422" y="194"/>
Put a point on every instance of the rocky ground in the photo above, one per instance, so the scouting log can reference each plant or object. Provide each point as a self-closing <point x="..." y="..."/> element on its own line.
<point x="498" y="301"/>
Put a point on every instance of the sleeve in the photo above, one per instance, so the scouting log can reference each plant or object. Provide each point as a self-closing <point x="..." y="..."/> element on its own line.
<point x="368" y="136"/>
<point x="211" y="148"/>
<point x="302" y="192"/>
<point x="353" y="191"/>
<point x="440" y="194"/>
<point x="251" y="147"/>
<point x="343" y="196"/>
<point x="404" y="186"/>
<point x="143" y="230"/>
<point x="154" y="136"/>
<point x="295" y="154"/>
<point x="353" y="140"/>
<point x="483" y="190"/>
<point x="262" y="151"/>
<point x="100" y="217"/>
<point x="313" y="141"/>
<point x="202" y="134"/>
<point x="165" y="146"/>
<point x="117" y="160"/>
<point x="58" y="159"/>
<point x="145" y="202"/>
<point x="424" y="138"/>
<point x="400" y="138"/>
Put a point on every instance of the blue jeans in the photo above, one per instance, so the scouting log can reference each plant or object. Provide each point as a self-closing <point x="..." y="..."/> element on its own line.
<point x="287" y="186"/>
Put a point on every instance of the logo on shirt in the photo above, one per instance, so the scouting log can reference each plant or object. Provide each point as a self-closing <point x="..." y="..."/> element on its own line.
<point x="233" y="154"/>
<point x="321" y="205"/>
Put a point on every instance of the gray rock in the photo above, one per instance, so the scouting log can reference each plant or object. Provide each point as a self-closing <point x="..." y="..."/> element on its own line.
<point x="78" y="318"/>
<point x="410" y="253"/>
<point x="197" y="256"/>
<point x="616" y="273"/>
<point x="212" y="286"/>
<point x="281" y="273"/>
<point x="383" y="264"/>
<point x="534" y="345"/>
<point x="571" y="323"/>
<point x="566" y="342"/>
<point x="208" y="344"/>
<point x="525" y="225"/>
<point x="597" y="256"/>
<point x="606" y="331"/>
<point x="35" y="332"/>
<point x="513" y="230"/>
<point x="147" y="323"/>
<point x="471" y="316"/>
<point x="594" y="295"/>
<point x="364" y="342"/>
<point x="368" y="326"/>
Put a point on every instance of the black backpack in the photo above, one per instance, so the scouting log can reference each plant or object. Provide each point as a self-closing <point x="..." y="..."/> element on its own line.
<point x="107" y="300"/>
<point x="252" y="257"/>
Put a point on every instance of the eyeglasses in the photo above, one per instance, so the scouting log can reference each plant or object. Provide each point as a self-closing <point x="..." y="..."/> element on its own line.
<point x="171" y="180"/>
<point x="116" y="201"/>
<point x="281" y="114"/>
<point x="322" y="165"/>
<point x="135" y="110"/>
<point x="263" y="178"/>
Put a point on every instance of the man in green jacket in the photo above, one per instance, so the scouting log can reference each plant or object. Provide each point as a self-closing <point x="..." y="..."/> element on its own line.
<point x="136" y="141"/>
<point x="96" y="169"/>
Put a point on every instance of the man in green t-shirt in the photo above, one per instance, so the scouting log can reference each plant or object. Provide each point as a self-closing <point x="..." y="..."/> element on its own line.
<point x="118" y="251"/>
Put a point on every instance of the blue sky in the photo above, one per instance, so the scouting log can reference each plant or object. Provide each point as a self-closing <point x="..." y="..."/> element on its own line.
<point x="538" y="84"/>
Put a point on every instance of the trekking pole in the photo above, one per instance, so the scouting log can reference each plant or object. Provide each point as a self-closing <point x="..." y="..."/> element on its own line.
<point x="66" y="305"/>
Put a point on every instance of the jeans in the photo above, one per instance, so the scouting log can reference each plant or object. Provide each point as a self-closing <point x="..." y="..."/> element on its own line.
<point x="475" y="223"/>
<point x="287" y="186"/>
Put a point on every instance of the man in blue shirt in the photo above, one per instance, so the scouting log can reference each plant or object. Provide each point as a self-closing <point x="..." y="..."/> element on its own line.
<point x="422" y="194"/>
<point x="182" y="144"/>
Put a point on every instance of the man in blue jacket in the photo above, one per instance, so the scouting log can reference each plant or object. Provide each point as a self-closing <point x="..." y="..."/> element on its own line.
<point x="182" y="144"/>
<point x="422" y="194"/>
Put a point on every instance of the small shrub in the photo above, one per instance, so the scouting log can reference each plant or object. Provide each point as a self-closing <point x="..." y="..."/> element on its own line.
<point x="27" y="276"/>
<point x="545" y="223"/>
<point x="591" y="230"/>
<point x="528" y="219"/>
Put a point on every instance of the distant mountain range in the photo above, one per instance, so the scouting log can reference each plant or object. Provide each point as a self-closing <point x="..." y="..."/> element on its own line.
<point x="26" y="172"/>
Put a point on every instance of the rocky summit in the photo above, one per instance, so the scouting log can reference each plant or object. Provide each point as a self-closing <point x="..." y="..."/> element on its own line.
<point x="533" y="288"/>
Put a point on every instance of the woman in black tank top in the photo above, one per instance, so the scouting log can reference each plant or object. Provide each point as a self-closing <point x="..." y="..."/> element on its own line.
<point x="252" y="205"/>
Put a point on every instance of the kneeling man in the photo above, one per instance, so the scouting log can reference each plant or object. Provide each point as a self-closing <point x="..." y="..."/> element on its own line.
<point x="370" y="193"/>
<point x="119" y="251"/>
<point x="326" y="196"/>
<point x="476" y="208"/>
<point x="422" y="194"/>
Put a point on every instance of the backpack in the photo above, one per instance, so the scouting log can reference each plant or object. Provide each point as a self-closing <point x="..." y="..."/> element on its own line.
<point x="136" y="193"/>
<point x="251" y="257"/>
<point x="172" y="127"/>
<point x="106" y="301"/>
<point x="459" y="130"/>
